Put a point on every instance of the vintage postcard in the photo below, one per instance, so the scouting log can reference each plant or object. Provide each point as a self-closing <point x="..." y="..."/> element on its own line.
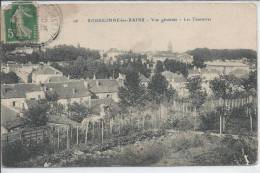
<point x="128" y="84"/>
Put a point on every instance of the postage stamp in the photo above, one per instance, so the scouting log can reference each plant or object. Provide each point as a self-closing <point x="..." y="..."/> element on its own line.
<point x="21" y="23"/>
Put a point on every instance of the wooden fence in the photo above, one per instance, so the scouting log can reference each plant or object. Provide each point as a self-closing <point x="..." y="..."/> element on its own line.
<point x="61" y="137"/>
<point x="210" y="104"/>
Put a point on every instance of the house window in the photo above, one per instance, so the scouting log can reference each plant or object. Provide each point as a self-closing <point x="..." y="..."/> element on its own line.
<point x="108" y="96"/>
<point x="13" y="103"/>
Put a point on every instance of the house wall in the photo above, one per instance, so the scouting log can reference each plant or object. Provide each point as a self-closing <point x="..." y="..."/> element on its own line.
<point x="18" y="103"/>
<point x="36" y="95"/>
<point x="227" y="69"/>
<point x="72" y="100"/>
<point x="42" y="78"/>
<point x="114" y="96"/>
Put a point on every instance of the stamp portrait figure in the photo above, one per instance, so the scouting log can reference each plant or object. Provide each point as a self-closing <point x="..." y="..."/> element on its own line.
<point x="18" y="20"/>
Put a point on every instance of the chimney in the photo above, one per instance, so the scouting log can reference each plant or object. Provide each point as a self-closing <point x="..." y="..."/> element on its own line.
<point x="94" y="77"/>
<point x="69" y="77"/>
<point x="74" y="90"/>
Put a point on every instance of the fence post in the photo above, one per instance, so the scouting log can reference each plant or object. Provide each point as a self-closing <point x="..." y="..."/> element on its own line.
<point x="110" y="126"/>
<point x="77" y="135"/>
<point x="36" y="136"/>
<point x="102" y="131"/>
<point x="220" y="124"/>
<point x="86" y="135"/>
<point x="21" y="137"/>
<point x="58" y="139"/>
<point x="93" y="131"/>
<point x="68" y="139"/>
<point x="195" y="118"/>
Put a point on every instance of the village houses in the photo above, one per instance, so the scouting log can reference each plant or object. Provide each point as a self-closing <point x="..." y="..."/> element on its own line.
<point x="44" y="73"/>
<point x="15" y="95"/>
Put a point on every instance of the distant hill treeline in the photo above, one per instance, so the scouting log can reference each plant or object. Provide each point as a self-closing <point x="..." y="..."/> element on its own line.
<point x="54" y="54"/>
<point x="206" y="54"/>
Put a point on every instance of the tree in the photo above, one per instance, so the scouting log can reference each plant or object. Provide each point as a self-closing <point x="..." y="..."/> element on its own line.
<point x="158" y="87"/>
<point x="132" y="93"/>
<point x="159" y="67"/>
<point x="9" y="78"/>
<point x="177" y="67"/>
<point x="37" y="115"/>
<point x="250" y="84"/>
<point x="206" y="54"/>
<point x="198" y="62"/>
<point x="77" y="111"/>
<point x="227" y="86"/>
<point x="197" y="95"/>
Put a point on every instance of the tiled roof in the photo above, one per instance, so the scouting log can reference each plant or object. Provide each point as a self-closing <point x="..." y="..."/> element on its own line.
<point x="46" y="69"/>
<point x="57" y="79"/>
<point x="18" y="90"/>
<point x="68" y="89"/>
<point x="103" y="85"/>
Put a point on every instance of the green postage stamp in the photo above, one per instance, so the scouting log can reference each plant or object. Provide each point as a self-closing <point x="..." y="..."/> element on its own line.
<point x="21" y="23"/>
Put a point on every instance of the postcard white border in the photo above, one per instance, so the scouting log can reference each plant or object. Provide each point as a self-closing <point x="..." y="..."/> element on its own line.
<point x="182" y="169"/>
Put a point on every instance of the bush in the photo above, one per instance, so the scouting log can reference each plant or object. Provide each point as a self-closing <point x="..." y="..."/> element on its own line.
<point x="14" y="153"/>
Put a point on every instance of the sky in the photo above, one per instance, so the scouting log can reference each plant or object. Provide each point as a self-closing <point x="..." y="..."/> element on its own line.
<point x="231" y="26"/>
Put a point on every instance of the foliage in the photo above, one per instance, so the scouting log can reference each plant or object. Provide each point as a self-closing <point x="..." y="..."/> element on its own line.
<point x="250" y="83"/>
<point x="159" y="67"/>
<point x="209" y="121"/>
<point x="205" y="54"/>
<point x="77" y="111"/>
<point x="57" y="109"/>
<point x="158" y="87"/>
<point x="132" y="94"/>
<point x="180" y="123"/>
<point x="9" y="78"/>
<point x="177" y="67"/>
<point x="132" y="62"/>
<point x="232" y="151"/>
<point x="37" y="115"/>
<point x="16" y="152"/>
<point x="197" y="95"/>
<point x="55" y="54"/>
<point x="227" y="86"/>
<point x="198" y="61"/>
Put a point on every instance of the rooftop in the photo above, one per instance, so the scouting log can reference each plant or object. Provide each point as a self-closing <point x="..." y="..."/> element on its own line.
<point x="46" y="69"/>
<point x="68" y="89"/>
<point x="58" y="79"/>
<point x="102" y="85"/>
<point x="18" y="90"/>
<point x="230" y="63"/>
